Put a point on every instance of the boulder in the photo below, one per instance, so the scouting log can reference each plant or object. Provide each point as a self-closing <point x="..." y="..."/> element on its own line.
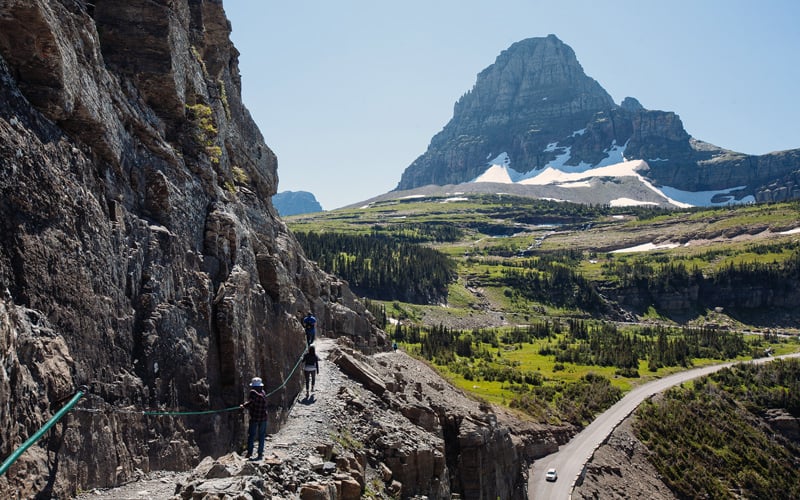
<point x="359" y="370"/>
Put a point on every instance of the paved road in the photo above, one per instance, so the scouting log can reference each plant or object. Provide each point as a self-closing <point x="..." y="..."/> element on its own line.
<point x="570" y="459"/>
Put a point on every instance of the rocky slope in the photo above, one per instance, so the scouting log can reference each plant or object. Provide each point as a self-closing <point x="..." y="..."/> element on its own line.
<point x="536" y="105"/>
<point x="139" y="251"/>
<point x="620" y="469"/>
<point x="383" y="426"/>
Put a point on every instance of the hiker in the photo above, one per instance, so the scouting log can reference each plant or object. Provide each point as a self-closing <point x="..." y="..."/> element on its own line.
<point x="310" y="367"/>
<point x="257" y="405"/>
<point x="310" y="325"/>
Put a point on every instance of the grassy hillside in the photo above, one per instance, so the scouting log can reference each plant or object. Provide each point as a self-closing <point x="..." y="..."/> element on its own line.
<point x="549" y="310"/>
<point x="567" y="372"/>
<point x="719" y="438"/>
<point x="541" y="310"/>
<point x="519" y="259"/>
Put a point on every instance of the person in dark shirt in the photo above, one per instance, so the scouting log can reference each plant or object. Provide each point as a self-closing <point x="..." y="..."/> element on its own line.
<point x="257" y="405"/>
<point x="310" y="326"/>
<point x="310" y="367"/>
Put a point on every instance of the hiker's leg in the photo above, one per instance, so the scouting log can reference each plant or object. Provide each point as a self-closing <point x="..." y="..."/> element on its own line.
<point x="262" y="435"/>
<point x="313" y="379"/>
<point x="251" y="437"/>
<point x="306" y="373"/>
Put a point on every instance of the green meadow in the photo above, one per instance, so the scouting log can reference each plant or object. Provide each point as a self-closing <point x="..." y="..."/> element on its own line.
<point x="519" y="262"/>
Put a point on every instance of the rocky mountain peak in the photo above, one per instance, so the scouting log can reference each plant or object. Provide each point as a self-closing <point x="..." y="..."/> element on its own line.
<point x="631" y="104"/>
<point x="534" y="88"/>
<point x="295" y="203"/>
<point x="536" y="76"/>
<point x="536" y="108"/>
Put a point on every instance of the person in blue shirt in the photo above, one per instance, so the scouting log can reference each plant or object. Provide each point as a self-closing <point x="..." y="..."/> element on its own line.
<point x="310" y="326"/>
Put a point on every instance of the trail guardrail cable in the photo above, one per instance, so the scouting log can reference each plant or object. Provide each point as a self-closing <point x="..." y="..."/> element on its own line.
<point x="55" y="418"/>
<point x="83" y="390"/>
<point x="198" y="412"/>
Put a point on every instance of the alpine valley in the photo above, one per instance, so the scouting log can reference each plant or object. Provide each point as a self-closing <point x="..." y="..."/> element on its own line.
<point x="146" y="276"/>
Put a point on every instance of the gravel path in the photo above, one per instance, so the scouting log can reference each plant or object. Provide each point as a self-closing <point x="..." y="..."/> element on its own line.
<point x="308" y="419"/>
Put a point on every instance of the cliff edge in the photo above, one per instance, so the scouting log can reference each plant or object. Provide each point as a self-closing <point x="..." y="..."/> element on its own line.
<point x="139" y="250"/>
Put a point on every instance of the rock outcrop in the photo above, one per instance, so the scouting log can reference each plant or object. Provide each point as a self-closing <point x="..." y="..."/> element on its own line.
<point x="620" y="469"/>
<point x="536" y="105"/>
<point x="139" y="251"/>
<point x="384" y="426"/>
<point x="786" y="188"/>
<point x="477" y="450"/>
<point x="769" y="301"/>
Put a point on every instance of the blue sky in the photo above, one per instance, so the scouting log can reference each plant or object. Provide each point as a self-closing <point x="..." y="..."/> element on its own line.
<point x="349" y="93"/>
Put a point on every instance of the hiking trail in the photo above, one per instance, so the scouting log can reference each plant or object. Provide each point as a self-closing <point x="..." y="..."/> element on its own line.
<point x="306" y="427"/>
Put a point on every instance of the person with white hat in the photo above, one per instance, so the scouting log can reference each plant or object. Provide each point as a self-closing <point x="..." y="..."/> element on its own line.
<point x="257" y="405"/>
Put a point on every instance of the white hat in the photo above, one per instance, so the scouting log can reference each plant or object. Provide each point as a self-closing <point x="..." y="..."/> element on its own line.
<point x="256" y="382"/>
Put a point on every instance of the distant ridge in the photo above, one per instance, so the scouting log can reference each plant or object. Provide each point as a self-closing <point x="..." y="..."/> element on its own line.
<point x="295" y="203"/>
<point x="535" y="110"/>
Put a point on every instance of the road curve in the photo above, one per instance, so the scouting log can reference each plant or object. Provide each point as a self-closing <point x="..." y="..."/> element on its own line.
<point x="570" y="458"/>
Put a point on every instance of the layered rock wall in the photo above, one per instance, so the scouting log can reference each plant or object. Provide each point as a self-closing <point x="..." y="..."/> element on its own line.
<point x="139" y="251"/>
<point x="738" y="296"/>
<point x="482" y="451"/>
<point x="782" y="189"/>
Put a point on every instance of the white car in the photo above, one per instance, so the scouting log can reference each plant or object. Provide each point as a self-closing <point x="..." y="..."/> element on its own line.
<point x="551" y="475"/>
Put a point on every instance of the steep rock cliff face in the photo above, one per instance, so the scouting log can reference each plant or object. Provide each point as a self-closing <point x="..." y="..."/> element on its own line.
<point x="536" y="105"/>
<point x="774" y="302"/>
<point x="479" y="451"/>
<point x="535" y="90"/>
<point x="783" y="189"/>
<point x="139" y="251"/>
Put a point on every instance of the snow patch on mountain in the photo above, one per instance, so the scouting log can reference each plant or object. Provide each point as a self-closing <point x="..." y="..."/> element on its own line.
<point x="614" y="165"/>
<point x="646" y="247"/>
<point x="552" y="175"/>
<point x="703" y="198"/>
<point x="628" y="202"/>
<point x="495" y="173"/>
<point x="576" y="184"/>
